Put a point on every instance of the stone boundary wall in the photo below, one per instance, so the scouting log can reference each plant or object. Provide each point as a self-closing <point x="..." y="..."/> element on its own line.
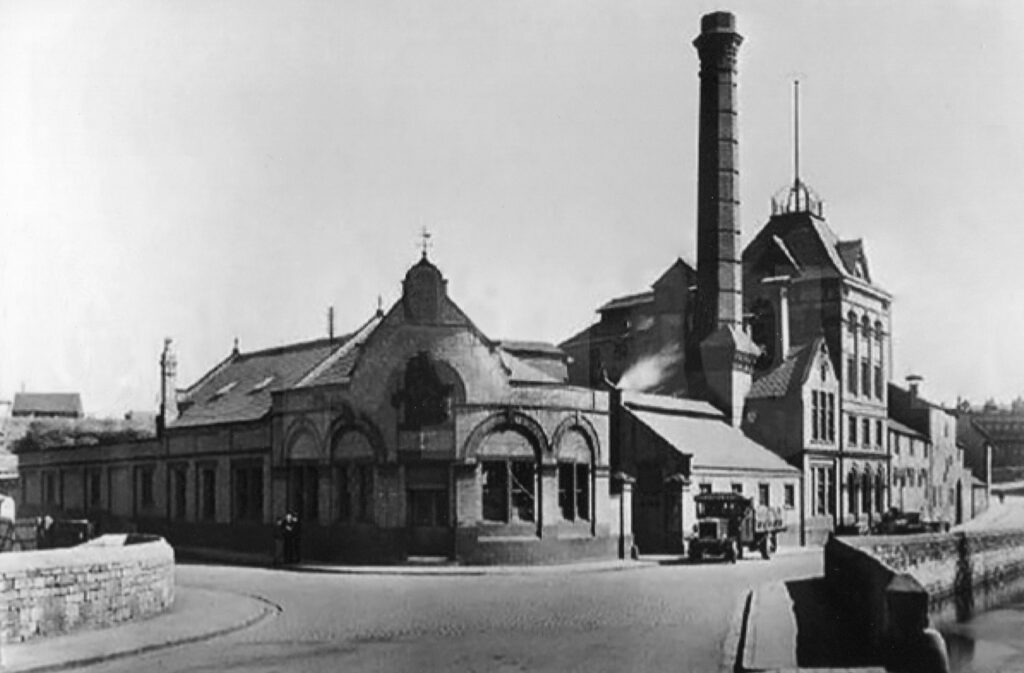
<point x="963" y="573"/>
<point x="109" y="580"/>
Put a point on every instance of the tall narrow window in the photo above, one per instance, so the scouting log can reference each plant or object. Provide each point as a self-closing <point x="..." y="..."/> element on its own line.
<point x="208" y="493"/>
<point x="566" y="491"/>
<point x="764" y="495"/>
<point x="852" y="431"/>
<point x="865" y="377"/>
<point x="342" y="493"/>
<point x="815" y="416"/>
<point x="866" y="432"/>
<point x="583" y="491"/>
<point x="851" y="375"/>
<point x="364" y="509"/>
<point x="179" y="491"/>
<point x="789" y="496"/>
<point x="247" y="484"/>
<point x="523" y="480"/>
<point x="878" y="381"/>
<point x="878" y="433"/>
<point x="94" y="483"/>
<point x="495" y="490"/>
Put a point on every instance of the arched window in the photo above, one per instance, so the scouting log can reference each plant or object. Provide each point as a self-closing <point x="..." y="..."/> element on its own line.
<point x="575" y="469"/>
<point x="880" y="492"/>
<point x="303" y="494"/>
<point x="352" y="460"/>
<point x="851" y="492"/>
<point x="865" y="492"/>
<point x="509" y="477"/>
<point x="851" y="357"/>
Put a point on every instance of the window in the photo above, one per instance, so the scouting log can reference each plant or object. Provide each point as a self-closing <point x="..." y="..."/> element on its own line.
<point x="895" y="444"/>
<point x="50" y="488"/>
<point x="911" y="442"/>
<point x="93" y="486"/>
<point x="364" y="493"/>
<point x="144" y="486"/>
<point x="852" y="431"/>
<point x="208" y="493"/>
<point x="509" y="490"/>
<point x="926" y="449"/>
<point x="737" y="488"/>
<point x="704" y="488"/>
<point x="764" y="495"/>
<point x="878" y="381"/>
<point x="851" y="375"/>
<point x="247" y="480"/>
<point x="865" y="377"/>
<point x="816" y="408"/>
<point x="866" y="428"/>
<point x="342" y="492"/>
<point x="789" y="496"/>
<point x="574" y="491"/>
<point x="831" y="423"/>
<point x="922" y="477"/>
<point x="179" y="491"/>
<point x="304" y="492"/>
<point x="523" y="482"/>
<point x="495" y="490"/>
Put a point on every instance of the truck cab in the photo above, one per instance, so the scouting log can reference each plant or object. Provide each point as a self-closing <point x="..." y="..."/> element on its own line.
<point x="728" y="523"/>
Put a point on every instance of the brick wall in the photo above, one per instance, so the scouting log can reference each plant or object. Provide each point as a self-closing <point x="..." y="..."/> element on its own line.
<point x="99" y="584"/>
<point x="964" y="573"/>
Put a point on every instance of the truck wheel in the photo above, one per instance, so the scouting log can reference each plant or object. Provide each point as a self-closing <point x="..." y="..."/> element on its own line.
<point x="694" y="553"/>
<point x="775" y="543"/>
<point x="766" y="548"/>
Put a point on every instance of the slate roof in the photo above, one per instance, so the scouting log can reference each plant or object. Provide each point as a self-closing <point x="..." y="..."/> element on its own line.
<point x="517" y="347"/>
<point x="337" y="368"/>
<point x="215" y="400"/>
<point x="790" y="374"/>
<point x="850" y="252"/>
<point x="711" y="443"/>
<point x="521" y="371"/>
<point x="47" y="404"/>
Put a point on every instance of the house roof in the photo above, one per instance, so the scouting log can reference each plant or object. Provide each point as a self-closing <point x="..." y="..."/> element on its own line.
<point x="711" y="442"/>
<point x="240" y="389"/>
<point x="789" y="375"/>
<point x="531" y="348"/>
<point x="338" y="366"/>
<point x="904" y="429"/>
<point x="66" y="404"/>
<point x="627" y="301"/>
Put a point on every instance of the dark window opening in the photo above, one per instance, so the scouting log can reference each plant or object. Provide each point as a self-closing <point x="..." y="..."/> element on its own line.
<point x="495" y="490"/>
<point x="763" y="495"/>
<point x="248" y="487"/>
<point x="179" y="491"/>
<point x="304" y="492"/>
<point x="208" y="494"/>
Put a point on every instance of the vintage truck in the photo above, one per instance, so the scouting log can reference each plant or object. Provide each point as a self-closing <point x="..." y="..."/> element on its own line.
<point x="728" y="523"/>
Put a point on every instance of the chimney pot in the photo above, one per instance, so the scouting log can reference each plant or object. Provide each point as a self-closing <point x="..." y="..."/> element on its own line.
<point x="718" y="22"/>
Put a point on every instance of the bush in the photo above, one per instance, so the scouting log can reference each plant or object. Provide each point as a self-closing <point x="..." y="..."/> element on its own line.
<point x="62" y="432"/>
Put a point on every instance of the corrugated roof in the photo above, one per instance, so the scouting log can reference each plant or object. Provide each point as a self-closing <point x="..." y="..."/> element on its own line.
<point x="246" y="400"/>
<point x="711" y="443"/>
<point x="26" y="404"/>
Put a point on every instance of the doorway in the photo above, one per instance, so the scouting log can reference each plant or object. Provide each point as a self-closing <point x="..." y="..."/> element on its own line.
<point x="428" y="515"/>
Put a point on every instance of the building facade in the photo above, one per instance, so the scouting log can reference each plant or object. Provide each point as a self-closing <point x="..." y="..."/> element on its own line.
<point x="415" y="435"/>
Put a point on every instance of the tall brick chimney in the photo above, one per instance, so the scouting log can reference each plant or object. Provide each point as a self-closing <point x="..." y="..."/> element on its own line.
<point x="726" y="350"/>
<point x="168" y="387"/>
<point x="719" y="267"/>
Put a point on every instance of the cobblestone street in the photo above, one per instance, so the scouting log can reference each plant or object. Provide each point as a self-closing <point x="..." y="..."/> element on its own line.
<point x="665" y="618"/>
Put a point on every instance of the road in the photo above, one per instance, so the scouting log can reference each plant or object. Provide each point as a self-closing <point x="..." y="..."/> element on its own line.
<point x="662" y="618"/>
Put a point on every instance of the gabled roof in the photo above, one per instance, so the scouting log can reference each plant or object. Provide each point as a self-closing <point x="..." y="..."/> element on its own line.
<point x="812" y="244"/>
<point x="47" y="404"/>
<point x="679" y="267"/>
<point x="337" y="368"/>
<point x="710" y="442"/>
<point x="790" y="374"/>
<point x="215" y="400"/>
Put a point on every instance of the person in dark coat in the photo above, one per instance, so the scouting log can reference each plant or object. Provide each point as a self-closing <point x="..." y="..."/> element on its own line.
<point x="290" y="533"/>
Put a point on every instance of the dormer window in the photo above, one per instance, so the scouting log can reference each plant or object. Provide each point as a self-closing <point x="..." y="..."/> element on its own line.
<point x="262" y="385"/>
<point x="224" y="390"/>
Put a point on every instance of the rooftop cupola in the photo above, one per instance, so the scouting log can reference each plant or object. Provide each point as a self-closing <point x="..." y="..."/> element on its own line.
<point x="797" y="197"/>
<point x="424" y="289"/>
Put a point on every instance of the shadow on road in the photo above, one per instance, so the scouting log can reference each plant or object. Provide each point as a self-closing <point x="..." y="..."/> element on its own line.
<point x="826" y="638"/>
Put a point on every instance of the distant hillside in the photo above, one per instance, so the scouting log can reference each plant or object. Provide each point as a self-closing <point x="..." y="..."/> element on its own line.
<point x="24" y="435"/>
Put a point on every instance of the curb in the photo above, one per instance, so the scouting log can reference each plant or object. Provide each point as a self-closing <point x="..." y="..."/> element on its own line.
<point x="462" y="571"/>
<point x="732" y="646"/>
<point x="269" y="608"/>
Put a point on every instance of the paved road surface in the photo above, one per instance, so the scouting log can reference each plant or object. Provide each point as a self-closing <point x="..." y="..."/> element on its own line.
<point x="667" y="618"/>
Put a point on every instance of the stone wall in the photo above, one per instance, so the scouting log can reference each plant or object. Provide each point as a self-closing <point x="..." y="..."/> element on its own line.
<point x="963" y="573"/>
<point x="110" y="580"/>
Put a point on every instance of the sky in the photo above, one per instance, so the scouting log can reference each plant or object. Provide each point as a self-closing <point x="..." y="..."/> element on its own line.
<point x="232" y="168"/>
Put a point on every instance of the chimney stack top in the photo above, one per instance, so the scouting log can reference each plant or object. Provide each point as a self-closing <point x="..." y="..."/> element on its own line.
<point x="718" y="22"/>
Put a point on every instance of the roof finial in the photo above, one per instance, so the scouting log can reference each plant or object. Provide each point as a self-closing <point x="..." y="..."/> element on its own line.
<point x="234" y="350"/>
<point x="796" y="131"/>
<point x="425" y="243"/>
<point x="380" y="306"/>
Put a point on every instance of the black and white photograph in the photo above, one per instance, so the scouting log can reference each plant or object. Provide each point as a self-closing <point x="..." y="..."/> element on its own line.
<point x="512" y="336"/>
